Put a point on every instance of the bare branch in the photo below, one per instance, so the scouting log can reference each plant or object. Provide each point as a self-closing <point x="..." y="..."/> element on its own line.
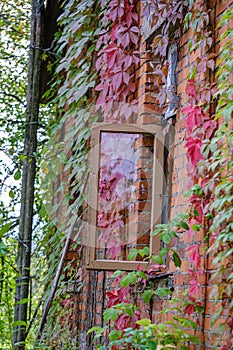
<point x="15" y="97"/>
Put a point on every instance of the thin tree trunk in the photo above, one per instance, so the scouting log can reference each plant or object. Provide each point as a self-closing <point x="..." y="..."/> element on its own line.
<point x="28" y="179"/>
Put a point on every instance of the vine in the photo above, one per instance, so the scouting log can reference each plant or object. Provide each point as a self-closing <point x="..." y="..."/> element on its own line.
<point x="117" y="58"/>
<point x="65" y="162"/>
<point x="210" y="201"/>
<point x="209" y="149"/>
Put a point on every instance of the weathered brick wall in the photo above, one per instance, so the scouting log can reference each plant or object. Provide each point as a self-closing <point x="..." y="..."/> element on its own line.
<point x="92" y="297"/>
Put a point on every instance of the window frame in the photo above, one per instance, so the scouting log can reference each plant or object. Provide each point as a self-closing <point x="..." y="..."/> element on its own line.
<point x="157" y="191"/>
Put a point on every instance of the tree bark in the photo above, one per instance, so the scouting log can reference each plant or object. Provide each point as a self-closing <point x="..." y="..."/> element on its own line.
<point x="28" y="179"/>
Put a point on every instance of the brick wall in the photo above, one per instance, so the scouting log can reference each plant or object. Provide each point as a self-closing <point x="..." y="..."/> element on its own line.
<point x="91" y="300"/>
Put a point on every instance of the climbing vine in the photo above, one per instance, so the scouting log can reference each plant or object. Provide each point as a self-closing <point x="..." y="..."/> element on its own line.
<point x="65" y="161"/>
<point x="209" y="151"/>
<point x="112" y="42"/>
<point x="117" y="53"/>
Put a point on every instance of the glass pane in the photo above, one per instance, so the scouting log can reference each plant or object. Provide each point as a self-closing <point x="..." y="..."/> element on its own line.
<point x="124" y="194"/>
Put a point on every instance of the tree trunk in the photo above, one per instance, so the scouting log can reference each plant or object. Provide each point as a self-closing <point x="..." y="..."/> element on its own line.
<point x="28" y="179"/>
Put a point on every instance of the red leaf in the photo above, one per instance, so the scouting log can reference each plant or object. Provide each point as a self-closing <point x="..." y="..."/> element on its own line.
<point x="123" y="39"/>
<point x="189" y="309"/>
<point x="113" y="33"/>
<point x="209" y="127"/>
<point x="191" y="88"/>
<point x="194" y="117"/>
<point x="193" y="150"/>
<point x="195" y="257"/>
<point x="123" y="292"/>
<point x="116" y="81"/>
<point x="111" y="47"/>
<point x="113" y="298"/>
<point x="111" y="59"/>
<point x="196" y="201"/>
<point x="129" y="19"/>
<point x="194" y="289"/>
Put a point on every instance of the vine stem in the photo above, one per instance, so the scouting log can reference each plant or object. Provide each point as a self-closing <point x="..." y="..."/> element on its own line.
<point x="55" y="282"/>
<point x="59" y="271"/>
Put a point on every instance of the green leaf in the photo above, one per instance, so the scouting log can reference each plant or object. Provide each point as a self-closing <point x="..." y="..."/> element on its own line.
<point x="176" y="259"/>
<point x="117" y="273"/>
<point x="23" y="301"/>
<point x="184" y="225"/>
<point x="166" y="238"/>
<point x="129" y="311"/>
<point x="128" y="279"/>
<point x="17" y="175"/>
<point x="19" y="323"/>
<point x="3" y="249"/>
<point x="152" y="345"/>
<point x="188" y="193"/>
<point x="196" y="227"/>
<point x="163" y="251"/>
<point x="193" y="339"/>
<point x="163" y="291"/>
<point x="145" y="251"/>
<point x="186" y="322"/>
<point x="5" y="228"/>
<point x="141" y="274"/>
<point x="158" y="259"/>
<point x="146" y="295"/>
<point x="110" y="314"/>
<point x="197" y="189"/>
<point x="96" y="329"/>
<point x="11" y="194"/>
<point x="145" y="322"/>
<point x="133" y="254"/>
<point x="114" y="335"/>
<point x="199" y="309"/>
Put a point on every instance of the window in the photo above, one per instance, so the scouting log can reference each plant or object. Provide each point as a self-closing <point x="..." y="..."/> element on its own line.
<point x="172" y="98"/>
<point x="126" y="184"/>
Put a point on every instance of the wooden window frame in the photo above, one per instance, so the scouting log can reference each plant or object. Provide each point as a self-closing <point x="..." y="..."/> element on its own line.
<point x="157" y="190"/>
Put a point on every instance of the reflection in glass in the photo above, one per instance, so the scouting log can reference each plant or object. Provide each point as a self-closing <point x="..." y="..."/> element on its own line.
<point x="124" y="187"/>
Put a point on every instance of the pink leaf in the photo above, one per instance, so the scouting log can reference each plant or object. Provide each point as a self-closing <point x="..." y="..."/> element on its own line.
<point x="209" y="127"/>
<point x="128" y="61"/>
<point x="210" y="64"/>
<point x="135" y="16"/>
<point x="123" y="292"/>
<point x="116" y="81"/>
<point x="134" y="38"/>
<point x="129" y="19"/>
<point x="99" y="87"/>
<point x="194" y="289"/>
<point x="191" y="88"/>
<point x="194" y="256"/>
<point x="196" y="201"/>
<point x="193" y="150"/>
<point x="194" y="117"/>
<point x="126" y="77"/>
<point x="201" y="67"/>
<point x="135" y="29"/>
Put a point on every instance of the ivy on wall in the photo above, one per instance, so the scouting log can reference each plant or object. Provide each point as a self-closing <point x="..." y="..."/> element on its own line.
<point x="112" y="43"/>
<point x="65" y="158"/>
<point x="209" y="151"/>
